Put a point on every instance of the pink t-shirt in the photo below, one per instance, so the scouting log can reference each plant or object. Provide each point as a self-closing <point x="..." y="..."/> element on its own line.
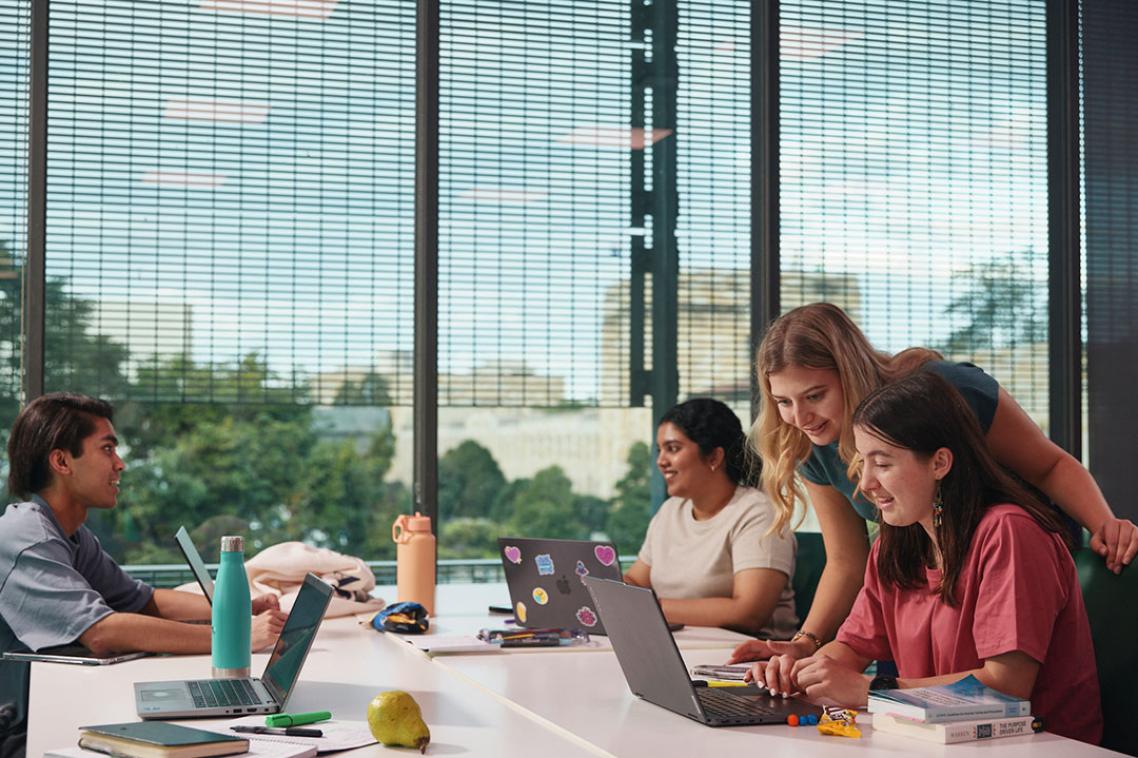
<point x="1018" y="590"/>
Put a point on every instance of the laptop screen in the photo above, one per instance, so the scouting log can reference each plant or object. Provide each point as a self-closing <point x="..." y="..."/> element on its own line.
<point x="296" y="638"/>
<point x="194" y="559"/>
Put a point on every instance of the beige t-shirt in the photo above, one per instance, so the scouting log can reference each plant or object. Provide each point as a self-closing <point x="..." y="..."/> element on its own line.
<point x="698" y="559"/>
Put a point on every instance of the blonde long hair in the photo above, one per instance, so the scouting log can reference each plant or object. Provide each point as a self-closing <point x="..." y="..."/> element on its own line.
<point x="816" y="336"/>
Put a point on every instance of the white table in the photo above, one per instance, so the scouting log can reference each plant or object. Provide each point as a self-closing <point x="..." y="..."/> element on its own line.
<point x="347" y="667"/>
<point x="553" y="702"/>
<point x="586" y="695"/>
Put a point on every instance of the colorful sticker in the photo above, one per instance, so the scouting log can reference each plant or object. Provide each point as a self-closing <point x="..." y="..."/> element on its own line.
<point x="582" y="572"/>
<point x="544" y="564"/>
<point x="586" y="616"/>
<point x="605" y="554"/>
<point x="513" y="554"/>
<point x="540" y="596"/>
<point x="520" y="612"/>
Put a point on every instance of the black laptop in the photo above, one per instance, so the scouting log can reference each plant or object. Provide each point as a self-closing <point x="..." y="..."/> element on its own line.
<point x="195" y="562"/>
<point x="655" y="670"/>
<point x="546" y="580"/>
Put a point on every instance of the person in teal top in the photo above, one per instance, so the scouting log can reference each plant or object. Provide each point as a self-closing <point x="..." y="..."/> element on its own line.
<point x="825" y="466"/>
<point x="814" y="366"/>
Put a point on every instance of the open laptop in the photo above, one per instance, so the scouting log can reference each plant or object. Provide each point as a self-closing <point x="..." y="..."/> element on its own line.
<point x="195" y="562"/>
<point x="226" y="697"/>
<point x="546" y="580"/>
<point x="655" y="670"/>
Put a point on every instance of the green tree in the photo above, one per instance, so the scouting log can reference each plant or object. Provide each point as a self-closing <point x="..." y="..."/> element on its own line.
<point x="1000" y="307"/>
<point x="371" y="390"/>
<point x="632" y="507"/>
<point x="341" y="500"/>
<point x="10" y="304"/>
<point x="470" y="482"/>
<point x="593" y="512"/>
<point x="469" y="538"/>
<point x="545" y="506"/>
<point x="174" y="395"/>
<point x="75" y="357"/>
<point x="231" y="467"/>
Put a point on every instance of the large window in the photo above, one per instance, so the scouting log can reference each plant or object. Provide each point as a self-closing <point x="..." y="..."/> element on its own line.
<point x="913" y="172"/>
<point x="14" y="35"/>
<point x="230" y="260"/>
<point x="229" y="242"/>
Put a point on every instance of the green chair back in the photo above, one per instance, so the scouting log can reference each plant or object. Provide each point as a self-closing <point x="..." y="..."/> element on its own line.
<point x="1112" y="607"/>
<point x="807" y="571"/>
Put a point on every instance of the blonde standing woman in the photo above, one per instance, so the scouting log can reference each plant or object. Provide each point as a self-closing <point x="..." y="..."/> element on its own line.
<point x="814" y="367"/>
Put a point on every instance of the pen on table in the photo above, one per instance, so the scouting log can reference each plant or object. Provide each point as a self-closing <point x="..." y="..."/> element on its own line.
<point x="297" y="719"/>
<point x="291" y="731"/>
<point x="719" y="683"/>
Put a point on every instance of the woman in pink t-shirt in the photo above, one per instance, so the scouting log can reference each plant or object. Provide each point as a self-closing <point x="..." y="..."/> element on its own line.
<point x="968" y="576"/>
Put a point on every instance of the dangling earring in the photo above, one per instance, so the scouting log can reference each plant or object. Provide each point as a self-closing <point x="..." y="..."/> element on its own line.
<point x="938" y="509"/>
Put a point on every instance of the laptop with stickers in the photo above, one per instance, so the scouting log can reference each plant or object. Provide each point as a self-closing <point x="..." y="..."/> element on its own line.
<point x="655" y="670"/>
<point x="546" y="580"/>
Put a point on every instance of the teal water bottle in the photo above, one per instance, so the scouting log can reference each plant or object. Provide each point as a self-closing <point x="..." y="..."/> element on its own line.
<point x="232" y="619"/>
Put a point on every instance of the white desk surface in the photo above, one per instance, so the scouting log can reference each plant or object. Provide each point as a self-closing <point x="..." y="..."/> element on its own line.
<point x="463" y="609"/>
<point x="559" y="702"/>
<point x="347" y="667"/>
<point x="571" y="692"/>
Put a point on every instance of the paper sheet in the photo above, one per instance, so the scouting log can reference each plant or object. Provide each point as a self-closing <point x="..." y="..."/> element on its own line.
<point x="338" y="734"/>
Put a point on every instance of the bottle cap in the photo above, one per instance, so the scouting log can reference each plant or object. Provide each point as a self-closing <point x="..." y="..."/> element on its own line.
<point x="418" y="523"/>
<point x="232" y="544"/>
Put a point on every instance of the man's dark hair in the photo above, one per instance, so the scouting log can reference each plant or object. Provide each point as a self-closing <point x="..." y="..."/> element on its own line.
<point x="57" y="421"/>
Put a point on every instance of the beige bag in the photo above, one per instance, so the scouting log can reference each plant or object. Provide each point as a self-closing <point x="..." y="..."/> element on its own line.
<point x="280" y="569"/>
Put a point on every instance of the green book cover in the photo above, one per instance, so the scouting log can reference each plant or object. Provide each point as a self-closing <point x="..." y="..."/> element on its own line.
<point x="161" y="733"/>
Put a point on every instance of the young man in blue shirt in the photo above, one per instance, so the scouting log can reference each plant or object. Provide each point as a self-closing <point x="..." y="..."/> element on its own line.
<point x="57" y="585"/>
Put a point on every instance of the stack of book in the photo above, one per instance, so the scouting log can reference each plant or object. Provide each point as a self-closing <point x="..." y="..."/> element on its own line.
<point x="957" y="712"/>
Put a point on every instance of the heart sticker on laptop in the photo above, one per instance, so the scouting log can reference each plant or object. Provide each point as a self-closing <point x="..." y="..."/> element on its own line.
<point x="586" y="616"/>
<point x="605" y="554"/>
<point x="513" y="554"/>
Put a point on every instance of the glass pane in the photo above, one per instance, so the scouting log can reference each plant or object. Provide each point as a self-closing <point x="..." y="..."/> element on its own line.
<point x="14" y="40"/>
<point x="230" y="260"/>
<point x="913" y="170"/>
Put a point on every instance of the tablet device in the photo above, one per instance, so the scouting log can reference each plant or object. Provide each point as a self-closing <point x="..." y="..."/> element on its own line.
<point x="75" y="654"/>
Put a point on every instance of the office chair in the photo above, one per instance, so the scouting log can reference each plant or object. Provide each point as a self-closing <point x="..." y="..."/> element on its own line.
<point x="12" y="734"/>
<point x="808" y="567"/>
<point x="1111" y="602"/>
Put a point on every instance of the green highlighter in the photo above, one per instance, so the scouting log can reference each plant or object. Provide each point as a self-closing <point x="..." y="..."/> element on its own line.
<point x="296" y="719"/>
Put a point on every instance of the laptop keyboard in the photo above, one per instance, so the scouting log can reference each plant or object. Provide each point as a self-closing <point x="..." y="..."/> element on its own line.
<point x="720" y="705"/>
<point x="208" y="693"/>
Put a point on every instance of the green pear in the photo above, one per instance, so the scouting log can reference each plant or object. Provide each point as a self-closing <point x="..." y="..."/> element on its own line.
<point x="395" y="720"/>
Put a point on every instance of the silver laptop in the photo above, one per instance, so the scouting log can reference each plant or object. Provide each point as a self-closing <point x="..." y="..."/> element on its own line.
<point x="195" y="562"/>
<point x="229" y="697"/>
<point x="655" y="670"/>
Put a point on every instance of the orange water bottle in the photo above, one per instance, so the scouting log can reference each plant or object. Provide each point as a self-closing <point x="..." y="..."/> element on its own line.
<point x="415" y="560"/>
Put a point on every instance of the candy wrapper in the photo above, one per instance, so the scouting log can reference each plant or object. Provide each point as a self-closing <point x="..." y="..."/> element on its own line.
<point x="838" y="722"/>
